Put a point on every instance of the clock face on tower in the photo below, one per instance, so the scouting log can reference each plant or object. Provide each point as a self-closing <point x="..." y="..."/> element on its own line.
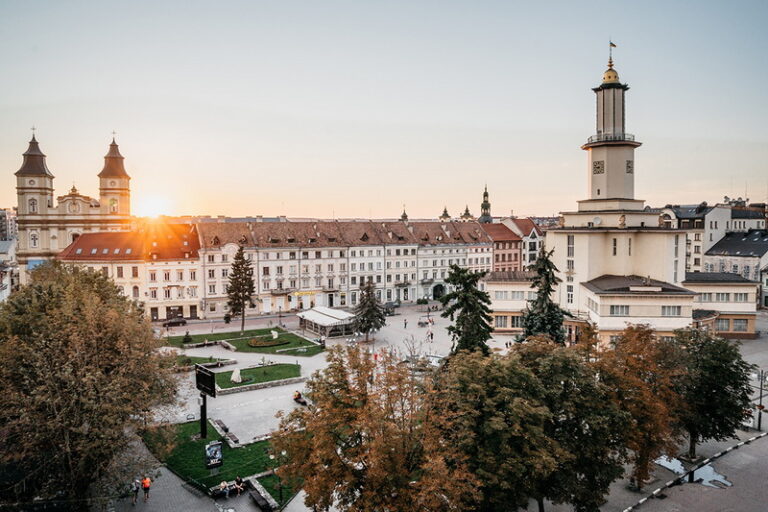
<point x="112" y="183"/>
<point x="598" y="167"/>
<point x="31" y="182"/>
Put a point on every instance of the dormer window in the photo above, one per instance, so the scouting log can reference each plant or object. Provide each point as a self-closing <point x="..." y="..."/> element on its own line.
<point x="117" y="251"/>
<point x="78" y="250"/>
<point x="94" y="250"/>
<point x="105" y="251"/>
<point x="128" y="251"/>
<point x="215" y="241"/>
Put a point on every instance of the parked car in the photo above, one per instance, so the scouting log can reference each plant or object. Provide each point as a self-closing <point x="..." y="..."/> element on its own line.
<point x="173" y="322"/>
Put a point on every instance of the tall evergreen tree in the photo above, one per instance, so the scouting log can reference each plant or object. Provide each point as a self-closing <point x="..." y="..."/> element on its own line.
<point x="467" y="307"/>
<point x="241" y="286"/>
<point x="543" y="316"/>
<point x="715" y="390"/>
<point x="369" y="312"/>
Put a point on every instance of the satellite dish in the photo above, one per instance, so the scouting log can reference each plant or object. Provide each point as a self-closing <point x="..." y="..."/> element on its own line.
<point x="597" y="221"/>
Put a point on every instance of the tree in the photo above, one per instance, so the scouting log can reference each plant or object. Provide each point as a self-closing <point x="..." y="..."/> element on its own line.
<point x="716" y="390"/>
<point x="369" y="313"/>
<point x="583" y="421"/>
<point x="467" y="307"/>
<point x="79" y="371"/>
<point x="543" y="316"/>
<point x="368" y="442"/>
<point x="642" y="373"/>
<point x="241" y="287"/>
<point x="490" y="409"/>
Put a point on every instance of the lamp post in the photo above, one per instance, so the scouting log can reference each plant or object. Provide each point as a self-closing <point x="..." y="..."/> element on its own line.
<point x="279" y="481"/>
<point x="761" y="374"/>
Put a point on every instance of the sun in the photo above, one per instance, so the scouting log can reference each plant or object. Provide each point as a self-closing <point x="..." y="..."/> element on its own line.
<point x="151" y="206"/>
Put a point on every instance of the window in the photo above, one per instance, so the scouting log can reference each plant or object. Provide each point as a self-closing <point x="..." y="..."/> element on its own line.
<point x="224" y="272"/>
<point x="134" y="272"/>
<point x="722" y="324"/>
<point x="167" y="293"/>
<point x="517" y="322"/>
<point x="500" y="295"/>
<point x="223" y="258"/>
<point x="192" y="291"/>
<point x="135" y="292"/>
<point x="353" y="280"/>
<point x="740" y="325"/>
<point x="279" y="270"/>
<point x="615" y="244"/>
<point x="166" y="275"/>
<point x="212" y="289"/>
<point x="152" y="276"/>
<point x="619" y="311"/>
<point x="705" y="297"/>
<point x="211" y="273"/>
<point x="265" y="271"/>
<point x="193" y="276"/>
<point x="501" y="322"/>
<point x="211" y="258"/>
<point x="723" y="297"/>
<point x="629" y="247"/>
<point x="179" y="275"/>
<point x="592" y="305"/>
<point x="34" y="240"/>
<point x="120" y="272"/>
<point x="153" y="293"/>
<point x="671" y="310"/>
<point x="740" y="297"/>
<point x="569" y="294"/>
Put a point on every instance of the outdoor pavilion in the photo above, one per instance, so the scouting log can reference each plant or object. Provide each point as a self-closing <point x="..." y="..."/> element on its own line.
<point x="327" y="322"/>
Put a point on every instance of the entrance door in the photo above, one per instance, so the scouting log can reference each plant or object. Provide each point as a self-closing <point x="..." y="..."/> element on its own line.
<point x="438" y="291"/>
<point x="330" y="300"/>
<point x="153" y="314"/>
<point x="192" y="311"/>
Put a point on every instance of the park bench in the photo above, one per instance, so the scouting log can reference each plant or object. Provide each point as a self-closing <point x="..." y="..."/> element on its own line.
<point x="217" y="492"/>
<point x="233" y="437"/>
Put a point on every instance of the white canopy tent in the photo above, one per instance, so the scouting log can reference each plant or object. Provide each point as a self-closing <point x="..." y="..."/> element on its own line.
<point x="327" y="321"/>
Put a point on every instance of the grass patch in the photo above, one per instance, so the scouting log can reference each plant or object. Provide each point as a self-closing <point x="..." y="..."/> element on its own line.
<point x="256" y="375"/>
<point x="182" y="360"/>
<point x="286" y="341"/>
<point x="270" y="483"/>
<point x="186" y="459"/>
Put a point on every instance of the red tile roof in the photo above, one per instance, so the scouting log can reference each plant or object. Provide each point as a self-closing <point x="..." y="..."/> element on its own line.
<point x="500" y="233"/>
<point x="526" y="225"/>
<point x="152" y="241"/>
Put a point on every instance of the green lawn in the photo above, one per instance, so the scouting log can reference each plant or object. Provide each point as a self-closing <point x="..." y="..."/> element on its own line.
<point x="187" y="457"/>
<point x="270" y="484"/>
<point x="240" y="342"/>
<point x="256" y="375"/>
<point x="182" y="360"/>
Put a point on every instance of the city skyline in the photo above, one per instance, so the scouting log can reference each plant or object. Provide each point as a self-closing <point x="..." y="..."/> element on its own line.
<point x="313" y="112"/>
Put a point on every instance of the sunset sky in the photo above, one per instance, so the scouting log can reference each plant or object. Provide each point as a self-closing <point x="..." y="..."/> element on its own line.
<point x="324" y="108"/>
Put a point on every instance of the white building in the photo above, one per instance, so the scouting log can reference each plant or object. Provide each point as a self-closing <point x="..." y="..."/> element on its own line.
<point x="744" y="254"/>
<point x="8" y="268"/>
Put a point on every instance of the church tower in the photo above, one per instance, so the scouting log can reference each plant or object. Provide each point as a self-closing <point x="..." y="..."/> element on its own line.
<point x="34" y="183"/>
<point x="611" y="168"/>
<point x="114" y="186"/>
<point x="485" y="209"/>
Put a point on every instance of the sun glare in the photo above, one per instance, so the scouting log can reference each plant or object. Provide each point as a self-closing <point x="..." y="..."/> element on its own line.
<point x="151" y="206"/>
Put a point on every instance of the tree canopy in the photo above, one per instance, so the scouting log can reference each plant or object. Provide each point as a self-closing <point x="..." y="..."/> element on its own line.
<point x="241" y="286"/>
<point x="543" y="316"/>
<point x="369" y="312"/>
<point x="78" y="369"/>
<point x="467" y="307"/>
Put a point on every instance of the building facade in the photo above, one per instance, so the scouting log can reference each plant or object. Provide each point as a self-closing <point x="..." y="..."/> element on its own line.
<point x="47" y="225"/>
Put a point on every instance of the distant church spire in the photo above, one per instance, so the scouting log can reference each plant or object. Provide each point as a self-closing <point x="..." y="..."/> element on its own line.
<point x="485" y="209"/>
<point x="113" y="163"/>
<point x="445" y="216"/>
<point x="404" y="216"/>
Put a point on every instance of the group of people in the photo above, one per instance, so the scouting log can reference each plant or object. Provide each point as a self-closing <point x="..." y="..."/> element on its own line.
<point x="238" y="486"/>
<point x="145" y="483"/>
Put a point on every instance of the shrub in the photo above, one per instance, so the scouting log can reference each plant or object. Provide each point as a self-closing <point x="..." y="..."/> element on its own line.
<point x="269" y="342"/>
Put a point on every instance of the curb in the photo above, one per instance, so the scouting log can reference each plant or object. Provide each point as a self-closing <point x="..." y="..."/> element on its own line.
<point x="690" y="473"/>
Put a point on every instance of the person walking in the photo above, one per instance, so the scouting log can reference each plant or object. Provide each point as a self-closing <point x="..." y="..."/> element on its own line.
<point x="405" y="323"/>
<point x="146" y="483"/>
<point x="135" y="487"/>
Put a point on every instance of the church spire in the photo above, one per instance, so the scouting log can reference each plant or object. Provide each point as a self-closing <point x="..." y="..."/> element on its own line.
<point x="485" y="208"/>
<point x="113" y="163"/>
<point x="34" y="161"/>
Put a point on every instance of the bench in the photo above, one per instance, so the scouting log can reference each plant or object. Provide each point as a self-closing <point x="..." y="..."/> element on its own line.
<point x="221" y="425"/>
<point x="233" y="437"/>
<point x="217" y="492"/>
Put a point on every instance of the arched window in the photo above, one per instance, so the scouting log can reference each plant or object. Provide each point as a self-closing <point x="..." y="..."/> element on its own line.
<point x="32" y="206"/>
<point x="135" y="292"/>
<point x="113" y="205"/>
<point x="34" y="240"/>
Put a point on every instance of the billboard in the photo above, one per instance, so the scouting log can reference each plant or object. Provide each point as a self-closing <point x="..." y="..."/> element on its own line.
<point x="214" y="456"/>
<point x="205" y="380"/>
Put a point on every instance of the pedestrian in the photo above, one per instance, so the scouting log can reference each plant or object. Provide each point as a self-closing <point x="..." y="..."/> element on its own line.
<point x="224" y="488"/>
<point x="405" y="323"/>
<point x="146" y="483"/>
<point x="431" y="336"/>
<point x="239" y="485"/>
<point x="135" y="486"/>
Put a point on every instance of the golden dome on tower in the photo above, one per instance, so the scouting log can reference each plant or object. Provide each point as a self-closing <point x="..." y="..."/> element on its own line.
<point x="611" y="76"/>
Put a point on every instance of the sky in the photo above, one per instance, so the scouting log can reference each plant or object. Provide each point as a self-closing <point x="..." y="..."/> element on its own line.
<point x="356" y="108"/>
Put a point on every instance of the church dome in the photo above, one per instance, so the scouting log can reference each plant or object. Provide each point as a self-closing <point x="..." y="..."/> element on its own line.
<point x="611" y="76"/>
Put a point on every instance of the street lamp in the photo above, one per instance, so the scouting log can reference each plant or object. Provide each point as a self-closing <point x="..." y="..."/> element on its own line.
<point x="279" y="481"/>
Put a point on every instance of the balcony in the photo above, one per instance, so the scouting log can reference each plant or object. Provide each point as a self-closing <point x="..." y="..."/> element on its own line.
<point x="281" y="291"/>
<point x="329" y="289"/>
<point x="427" y="280"/>
<point x="402" y="283"/>
<point x="604" y="137"/>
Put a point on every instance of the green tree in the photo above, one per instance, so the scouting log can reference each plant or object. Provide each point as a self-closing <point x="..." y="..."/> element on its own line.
<point x="716" y="390"/>
<point x="369" y="312"/>
<point x="543" y="316"/>
<point x="583" y="421"/>
<point x="490" y="408"/>
<point x="79" y="372"/>
<point x="369" y="444"/>
<point x="467" y="307"/>
<point x="241" y="288"/>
